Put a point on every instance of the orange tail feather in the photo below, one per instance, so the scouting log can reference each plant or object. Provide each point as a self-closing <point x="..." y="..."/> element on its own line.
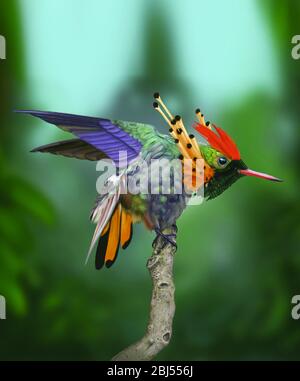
<point x="118" y="230"/>
<point x="126" y="229"/>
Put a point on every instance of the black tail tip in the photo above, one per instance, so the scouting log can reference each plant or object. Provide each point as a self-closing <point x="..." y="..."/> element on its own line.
<point x="109" y="263"/>
<point x="156" y="95"/>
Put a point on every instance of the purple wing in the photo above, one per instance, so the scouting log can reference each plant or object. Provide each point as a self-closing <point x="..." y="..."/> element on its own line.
<point x="100" y="133"/>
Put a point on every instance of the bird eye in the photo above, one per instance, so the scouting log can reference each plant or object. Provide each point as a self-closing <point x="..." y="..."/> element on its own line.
<point x="222" y="161"/>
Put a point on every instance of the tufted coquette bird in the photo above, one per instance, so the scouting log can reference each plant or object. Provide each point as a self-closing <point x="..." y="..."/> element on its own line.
<point x="116" y="210"/>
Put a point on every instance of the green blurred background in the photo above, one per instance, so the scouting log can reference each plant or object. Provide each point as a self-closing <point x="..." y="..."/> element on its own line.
<point x="238" y="260"/>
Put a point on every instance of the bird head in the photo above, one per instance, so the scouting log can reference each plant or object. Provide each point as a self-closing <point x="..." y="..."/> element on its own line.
<point x="223" y="156"/>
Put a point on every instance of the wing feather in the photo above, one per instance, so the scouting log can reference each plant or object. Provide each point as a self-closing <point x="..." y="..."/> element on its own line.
<point x="101" y="133"/>
<point x="75" y="148"/>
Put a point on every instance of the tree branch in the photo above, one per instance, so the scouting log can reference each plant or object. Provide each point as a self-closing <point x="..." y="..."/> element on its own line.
<point x="162" y="308"/>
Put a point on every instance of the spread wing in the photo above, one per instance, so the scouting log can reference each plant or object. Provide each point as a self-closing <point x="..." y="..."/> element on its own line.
<point x="102" y="134"/>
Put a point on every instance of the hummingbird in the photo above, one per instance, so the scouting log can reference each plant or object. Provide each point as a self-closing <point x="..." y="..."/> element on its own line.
<point x="117" y="208"/>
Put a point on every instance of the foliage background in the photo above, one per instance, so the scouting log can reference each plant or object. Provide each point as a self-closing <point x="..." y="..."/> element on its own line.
<point x="238" y="262"/>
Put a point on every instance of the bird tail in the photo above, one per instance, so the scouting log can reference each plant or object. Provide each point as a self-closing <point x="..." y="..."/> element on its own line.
<point x="118" y="231"/>
<point x="114" y="223"/>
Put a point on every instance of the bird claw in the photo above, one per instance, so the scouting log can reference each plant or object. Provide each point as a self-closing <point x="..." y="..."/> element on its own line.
<point x="160" y="244"/>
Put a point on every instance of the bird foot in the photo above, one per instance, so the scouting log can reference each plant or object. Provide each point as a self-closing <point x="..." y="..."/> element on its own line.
<point x="162" y="239"/>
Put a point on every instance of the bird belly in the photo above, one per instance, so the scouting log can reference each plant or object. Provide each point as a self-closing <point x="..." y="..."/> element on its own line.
<point x="156" y="211"/>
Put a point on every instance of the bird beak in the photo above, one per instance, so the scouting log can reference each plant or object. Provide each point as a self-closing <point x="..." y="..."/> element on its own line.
<point x="249" y="172"/>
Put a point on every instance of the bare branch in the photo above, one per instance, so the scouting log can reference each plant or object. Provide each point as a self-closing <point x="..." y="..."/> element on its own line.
<point x="162" y="308"/>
